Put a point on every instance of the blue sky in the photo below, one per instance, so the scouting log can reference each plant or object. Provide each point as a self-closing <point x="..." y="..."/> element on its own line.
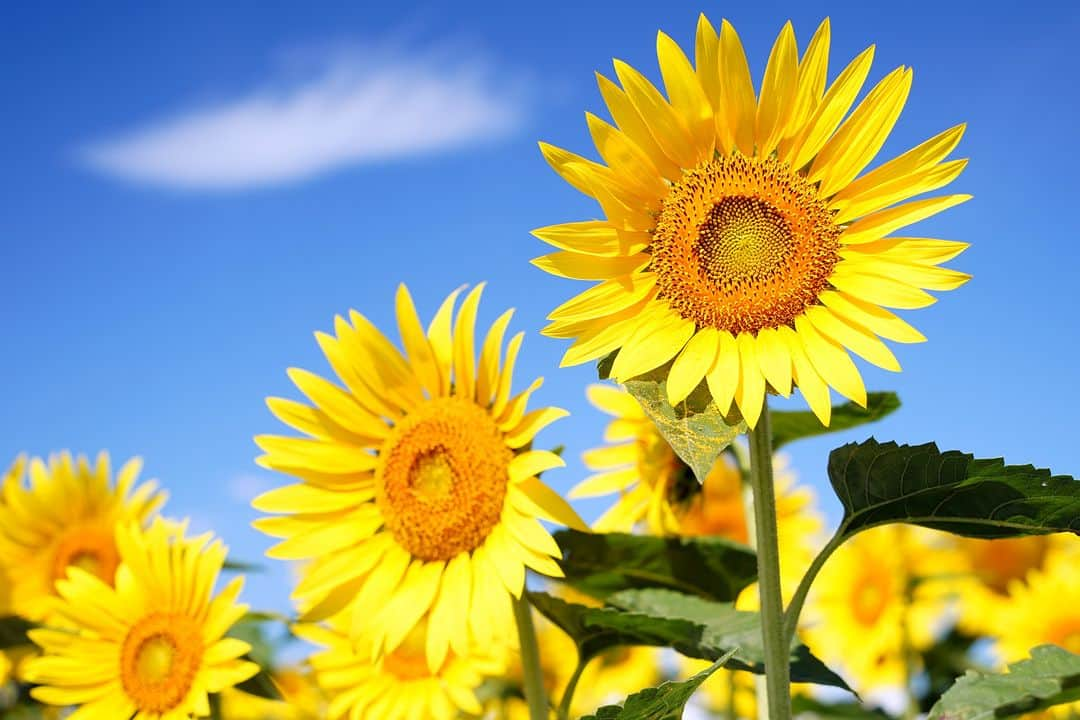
<point x="190" y="192"/>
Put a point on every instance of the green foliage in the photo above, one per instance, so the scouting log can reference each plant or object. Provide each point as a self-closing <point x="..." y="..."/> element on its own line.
<point x="880" y="483"/>
<point x="1050" y="677"/>
<point x="664" y="702"/>
<point x="788" y="426"/>
<point x="600" y="564"/>
<point x="13" y="631"/>
<point x="695" y="428"/>
<point x="720" y="627"/>
<point x="252" y="629"/>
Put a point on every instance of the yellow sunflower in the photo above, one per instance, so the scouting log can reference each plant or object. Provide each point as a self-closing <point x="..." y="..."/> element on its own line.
<point x="658" y="489"/>
<point x="1045" y="609"/>
<point x="66" y="516"/>
<point x="153" y="646"/>
<point x="400" y="684"/>
<point x="419" y="487"/>
<point x="739" y="239"/>
<point x="993" y="567"/>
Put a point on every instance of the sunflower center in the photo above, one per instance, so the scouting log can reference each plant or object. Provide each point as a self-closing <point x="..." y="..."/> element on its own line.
<point x="442" y="478"/>
<point x="998" y="562"/>
<point x="743" y="244"/>
<point x="90" y="548"/>
<point x="870" y="597"/>
<point x="159" y="660"/>
<point x="1066" y="633"/>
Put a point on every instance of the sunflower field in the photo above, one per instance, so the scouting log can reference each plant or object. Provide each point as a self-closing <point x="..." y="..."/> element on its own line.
<point x="742" y="252"/>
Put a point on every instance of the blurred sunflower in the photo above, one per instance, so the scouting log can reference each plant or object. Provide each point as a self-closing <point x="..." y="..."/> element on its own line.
<point x="658" y="489"/>
<point x="993" y="567"/>
<point x="300" y="699"/>
<point x="876" y="603"/>
<point x="400" y="684"/>
<point x="66" y="516"/>
<point x="419" y="484"/>
<point x="153" y="646"/>
<point x="1044" y="609"/>
<point x="739" y="240"/>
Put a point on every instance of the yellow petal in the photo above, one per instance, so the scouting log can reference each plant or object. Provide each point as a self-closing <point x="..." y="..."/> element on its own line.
<point x="925" y="251"/>
<point x="774" y="358"/>
<point x="750" y="392"/>
<point x="862" y="135"/>
<point x="338" y="404"/>
<point x="614" y="401"/>
<point x="531" y="424"/>
<point x="552" y="505"/>
<point x="831" y="361"/>
<point x="692" y="364"/>
<point x="593" y="237"/>
<point x="630" y="162"/>
<point x="532" y="463"/>
<point x="880" y="290"/>
<point x="723" y="378"/>
<point x="777" y="91"/>
<point x="813" y="72"/>
<point x="465" y="344"/>
<point x="898" y="190"/>
<point x="487" y="374"/>
<point x="605" y="298"/>
<point x="666" y="127"/>
<point x="813" y="388"/>
<point x="864" y="344"/>
<point x="440" y="335"/>
<point x="604" y="483"/>
<point x="870" y="316"/>
<point x="876" y="226"/>
<point x="686" y="94"/>
<point x="738" y="104"/>
<point x="629" y="121"/>
<point x="656" y="340"/>
<point x="417" y="346"/>
<point x="832" y="109"/>
<point x="707" y="59"/>
<point x="576" y="266"/>
<point x="927" y="277"/>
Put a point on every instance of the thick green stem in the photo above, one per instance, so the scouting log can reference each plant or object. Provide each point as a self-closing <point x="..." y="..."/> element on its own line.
<point x="777" y="648"/>
<point x="535" y="696"/>
<point x="568" y="693"/>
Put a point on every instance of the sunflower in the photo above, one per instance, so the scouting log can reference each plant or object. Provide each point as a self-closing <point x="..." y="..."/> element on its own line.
<point x="739" y="239"/>
<point x="419" y="487"/>
<point x="400" y="684"/>
<point x="658" y="489"/>
<point x="153" y="646"/>
<point x="993" y="567"/>
<point x="66" y="517"/>
<point x="875" y="603"/>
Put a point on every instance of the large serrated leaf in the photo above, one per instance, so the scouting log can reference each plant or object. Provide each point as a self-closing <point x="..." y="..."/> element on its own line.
<point x="13" y="631"/>
<point x="664" y="702"/>
<point x="788" y="426"/>
<point x="596" y="629"/>
<point x="808" y="708"/>
<point x="600" y="564"/>
<point x="722" y="628"/>
<point x="880" y="483"/>
<point x="695" y="428"/>
<point x="1050" y="677"/>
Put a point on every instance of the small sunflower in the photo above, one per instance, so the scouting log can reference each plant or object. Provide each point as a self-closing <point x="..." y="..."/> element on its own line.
<point x="870" y="609"/>
<point x="993" y="567"/>
<point x="400" y="684"/>
<point x="1044" y="609"/>
<point x="153" y="646"/>
<point x="66" y="516"/>
<point x="419" y="484"/>
<point x="739" y="238"/>
<point x="658" y="489"/>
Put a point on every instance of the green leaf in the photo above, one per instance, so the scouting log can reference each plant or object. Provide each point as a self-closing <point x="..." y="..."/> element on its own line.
<point x="880" y="483"/>
<point x="1050" y="677"/>
<point x="695" y="428"/>
<point x="788" y="426"/>
<point x="808" y="708"/>
<point x="722" y="627"/>
<point x="13" y="631"/>
<point x="664" y="702"/>
<point x="240" y="566"/>
<point x="261" y="685"/>
<point x="595" y="630"/>
<point x="600" y="564"/>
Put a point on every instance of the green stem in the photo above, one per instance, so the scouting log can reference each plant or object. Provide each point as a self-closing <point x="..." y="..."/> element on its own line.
<point x="777" y="648"/>
<point x="535" y="696"/>
<point x="568" y="693"/>
<point x="791" y="617"/>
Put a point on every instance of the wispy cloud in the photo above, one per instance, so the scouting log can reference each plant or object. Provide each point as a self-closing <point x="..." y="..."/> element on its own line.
<point x="352" y="110"/>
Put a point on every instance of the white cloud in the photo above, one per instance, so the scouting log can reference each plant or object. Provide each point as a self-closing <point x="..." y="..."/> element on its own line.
<point x="353" y="110"/>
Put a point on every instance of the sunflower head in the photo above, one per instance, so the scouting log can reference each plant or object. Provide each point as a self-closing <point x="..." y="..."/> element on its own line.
<point x="41" y="538"/>
<point x="418" y="483"/>
<point x="742" y="240"/>
<point x="161" y="622"/>
<point x="400" y="684"/>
